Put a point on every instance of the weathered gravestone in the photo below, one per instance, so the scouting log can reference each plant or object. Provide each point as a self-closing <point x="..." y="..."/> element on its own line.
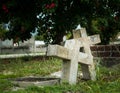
<point x="71" y="55"/>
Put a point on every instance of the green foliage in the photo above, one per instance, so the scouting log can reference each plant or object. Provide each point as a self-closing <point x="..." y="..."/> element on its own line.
<point x="39" y="37"/>
<point x="5" y="85"/>
<point x="2" y="32"/>
<point x="21" y="18"/>
<point x="21" y="27"/>
<point x="21" y="67"/>
<point x="55" y="17"/>
<point x="102" y="26"/>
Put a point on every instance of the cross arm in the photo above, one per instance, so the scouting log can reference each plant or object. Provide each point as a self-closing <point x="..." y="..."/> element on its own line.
<point x="67" y="54"/>
<point x="94" y="39"/>
<point x="82" y="58"/>
<point x="58" y="51"/>
<point x="81" y="33"/>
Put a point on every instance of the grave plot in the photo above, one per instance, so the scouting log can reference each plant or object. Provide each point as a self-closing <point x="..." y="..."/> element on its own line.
<point x="76" y="51"/>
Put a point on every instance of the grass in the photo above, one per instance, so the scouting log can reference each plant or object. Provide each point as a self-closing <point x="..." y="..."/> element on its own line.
<point x="19" y="68"/>
<point x="108" y="79"/>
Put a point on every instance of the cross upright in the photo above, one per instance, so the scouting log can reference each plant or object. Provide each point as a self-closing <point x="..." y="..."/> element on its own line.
<point x="88" y="71"/>
<point x="71" y="55"/>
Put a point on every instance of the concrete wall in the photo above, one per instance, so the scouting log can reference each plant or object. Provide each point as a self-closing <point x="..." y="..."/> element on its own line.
<point x="8" y="47"/>
<point x="14" y="50"/>
<point x="6" y="43"/>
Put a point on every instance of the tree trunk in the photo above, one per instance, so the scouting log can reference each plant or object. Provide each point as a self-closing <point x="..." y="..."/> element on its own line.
<point x="59" y="38"/>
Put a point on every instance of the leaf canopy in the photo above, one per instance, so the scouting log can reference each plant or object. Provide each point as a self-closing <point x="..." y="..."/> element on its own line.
<point x="55" y="18"/>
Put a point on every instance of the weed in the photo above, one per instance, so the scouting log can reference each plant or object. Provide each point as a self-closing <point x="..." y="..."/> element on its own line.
<point x="108" y="79"/>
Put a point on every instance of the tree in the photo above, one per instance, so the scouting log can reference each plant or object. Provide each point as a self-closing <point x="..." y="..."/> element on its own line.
<point x="54" y="18"/>
<point x="2" y="32"/>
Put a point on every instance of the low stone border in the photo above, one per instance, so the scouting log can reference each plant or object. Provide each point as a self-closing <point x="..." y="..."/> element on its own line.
<point x="20" y="55"/>
<point x="35" y="81"/>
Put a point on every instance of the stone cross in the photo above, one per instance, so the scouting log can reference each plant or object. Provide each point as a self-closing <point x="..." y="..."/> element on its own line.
<point x="87" y="70"/>
<point x="71" y="55"/>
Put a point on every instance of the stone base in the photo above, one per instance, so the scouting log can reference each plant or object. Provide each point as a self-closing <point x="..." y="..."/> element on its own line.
<point x="35" y="81"/>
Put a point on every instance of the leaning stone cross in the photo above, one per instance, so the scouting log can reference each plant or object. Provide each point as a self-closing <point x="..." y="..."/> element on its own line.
<point x="71" y="55"/>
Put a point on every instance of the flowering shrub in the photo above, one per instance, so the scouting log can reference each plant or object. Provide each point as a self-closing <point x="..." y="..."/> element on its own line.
<point x="49" y="6"/>
<point x="4" y="7"/>
<point x="61" y="16"/>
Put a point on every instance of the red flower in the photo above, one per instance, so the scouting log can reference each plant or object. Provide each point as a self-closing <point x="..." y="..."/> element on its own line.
<point x="6" y="10"/>
<point x="49" y="6"/>
<point x="52" y="5"/>
<point x="4" y="7"/>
